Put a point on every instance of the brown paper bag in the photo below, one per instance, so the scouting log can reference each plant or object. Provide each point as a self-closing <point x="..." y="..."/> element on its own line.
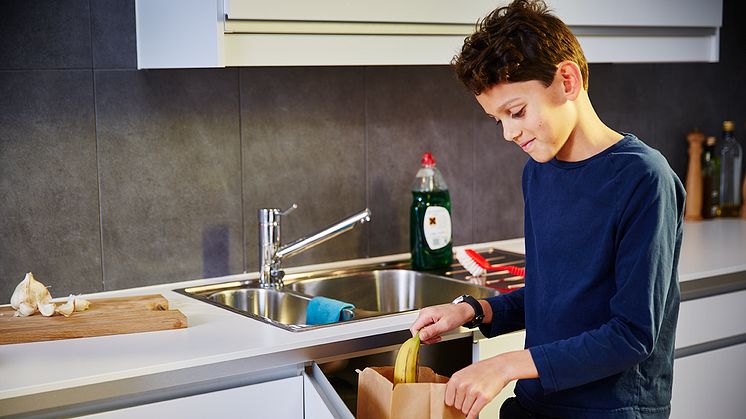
<point x="378" y="398"/>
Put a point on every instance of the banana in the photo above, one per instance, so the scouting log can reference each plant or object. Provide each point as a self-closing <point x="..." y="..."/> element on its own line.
<point x="405" y="368"/>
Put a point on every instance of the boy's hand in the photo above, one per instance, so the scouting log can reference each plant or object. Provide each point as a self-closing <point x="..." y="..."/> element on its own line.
<point x="471" y="388"/>
<point x="433" y="321"/>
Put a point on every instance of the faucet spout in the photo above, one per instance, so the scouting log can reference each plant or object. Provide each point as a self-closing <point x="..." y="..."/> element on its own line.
<point x="323" y="235"/>
<point x="271" y="252"/>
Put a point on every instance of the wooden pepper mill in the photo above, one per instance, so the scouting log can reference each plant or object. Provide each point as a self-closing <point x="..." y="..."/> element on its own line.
<point x="693" y="210"/>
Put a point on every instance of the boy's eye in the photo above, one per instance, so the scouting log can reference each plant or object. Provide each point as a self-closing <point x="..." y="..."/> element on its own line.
<point x="519" y="113"/>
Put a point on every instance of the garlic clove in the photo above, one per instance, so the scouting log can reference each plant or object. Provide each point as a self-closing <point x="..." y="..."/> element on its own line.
<point x="25" y="309"/>
<point x="67" y="308"/>
<point x="46" y="298"/>
<point x="81" y="304"/>
<point x="47" y="309"/>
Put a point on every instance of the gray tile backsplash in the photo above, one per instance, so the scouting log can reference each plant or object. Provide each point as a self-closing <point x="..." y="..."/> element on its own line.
<point x="170" y="175"/>
<point x="303" y="139"/>
<point x="113" y="34"/>
<point x="113" y="178"/>
<point x="45" y="34"/>
<point x="49" y="209"/>
<point x="409" y="111"/>
<point x="498" y="196"/>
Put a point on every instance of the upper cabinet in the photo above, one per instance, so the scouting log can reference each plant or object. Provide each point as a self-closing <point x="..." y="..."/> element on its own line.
<point x="231" y="33"/>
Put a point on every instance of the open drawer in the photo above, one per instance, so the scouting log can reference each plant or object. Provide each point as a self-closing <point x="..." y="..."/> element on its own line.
<point x="335" y="379"/>
<point x="320" y="399"/>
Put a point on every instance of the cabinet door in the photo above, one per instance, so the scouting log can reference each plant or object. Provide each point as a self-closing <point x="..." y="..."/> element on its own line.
<point x="710" y="385"/>
<point x="485" y="348"/>
<point x="655" y="13"/>
<point x="422" y="11"/>
<point x="686" y="13"/>
<point x="273" y="399"/>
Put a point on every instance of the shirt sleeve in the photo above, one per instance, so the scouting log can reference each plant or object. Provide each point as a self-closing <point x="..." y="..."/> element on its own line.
<point x="507" y="314"/>
<point x="645" y="269"/>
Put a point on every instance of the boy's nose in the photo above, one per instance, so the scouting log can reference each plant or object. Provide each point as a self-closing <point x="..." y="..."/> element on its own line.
<point x="511" y="134"/>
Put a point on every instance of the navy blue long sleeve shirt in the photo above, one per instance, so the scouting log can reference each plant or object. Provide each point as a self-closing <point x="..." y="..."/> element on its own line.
<point x="601" y="298"/>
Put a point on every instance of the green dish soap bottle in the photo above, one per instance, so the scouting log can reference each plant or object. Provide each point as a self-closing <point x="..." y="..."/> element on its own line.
<point x="430" y="234"/>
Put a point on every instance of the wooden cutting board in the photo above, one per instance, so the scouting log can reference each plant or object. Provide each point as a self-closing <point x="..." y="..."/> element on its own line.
<point x="106" y="316"/>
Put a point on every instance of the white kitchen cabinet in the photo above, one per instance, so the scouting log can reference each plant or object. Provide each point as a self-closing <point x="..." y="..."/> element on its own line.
<point x="710" y="366"/>
<point x="307" y="395"/>
<point x="710" y="385"/>
<point x="281" y="399"/>
<point x="225" y="33"/>
<point x="484" y="348"/>
<point x="609" y="13"/>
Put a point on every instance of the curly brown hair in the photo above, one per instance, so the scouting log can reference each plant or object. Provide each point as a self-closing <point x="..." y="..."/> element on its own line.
<point x="519" y="42"/>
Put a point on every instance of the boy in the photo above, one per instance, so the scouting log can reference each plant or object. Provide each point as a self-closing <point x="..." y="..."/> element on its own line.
<point x="603" y="224"/>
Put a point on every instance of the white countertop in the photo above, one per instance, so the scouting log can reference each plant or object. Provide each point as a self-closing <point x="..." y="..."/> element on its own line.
<point x="711" y="248"/>
<point x="215" y="335"/>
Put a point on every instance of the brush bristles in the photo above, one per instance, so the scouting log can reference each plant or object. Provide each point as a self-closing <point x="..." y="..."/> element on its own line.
<point x="469" y="264"/>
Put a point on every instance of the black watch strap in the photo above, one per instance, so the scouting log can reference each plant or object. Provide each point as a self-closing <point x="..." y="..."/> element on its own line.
<point x="478" y="312"/>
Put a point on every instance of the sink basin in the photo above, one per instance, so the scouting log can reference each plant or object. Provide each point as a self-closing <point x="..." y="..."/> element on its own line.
<point x="277" y="306"/>
<point x="389" y="291"/>
<point x="373" y="293"/>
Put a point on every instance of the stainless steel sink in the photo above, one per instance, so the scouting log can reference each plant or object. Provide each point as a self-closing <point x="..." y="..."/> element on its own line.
<point x="373" y="293"/>
<point x="282" y="307"/>
<point x="389" y="291"/>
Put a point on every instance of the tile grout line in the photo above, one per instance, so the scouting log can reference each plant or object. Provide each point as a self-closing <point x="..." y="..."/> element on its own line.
<point x="98" y="181"/>
<point x="244" y="247"/>
<point x="366" y="175"/>
<point x="96" y="151"/>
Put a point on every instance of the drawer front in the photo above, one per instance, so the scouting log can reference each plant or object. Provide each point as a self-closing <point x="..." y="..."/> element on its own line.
<point x="710" y="385"/>
<point x="281" y="399"/>
<point x="711" y="318"/>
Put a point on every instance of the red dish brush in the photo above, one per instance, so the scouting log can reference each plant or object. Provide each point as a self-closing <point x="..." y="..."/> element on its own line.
<point x="478" y="265"/>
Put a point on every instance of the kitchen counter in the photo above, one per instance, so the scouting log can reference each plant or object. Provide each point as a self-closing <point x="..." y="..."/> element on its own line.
<point x="711" y="248"/>
<point x="217" y="342"/>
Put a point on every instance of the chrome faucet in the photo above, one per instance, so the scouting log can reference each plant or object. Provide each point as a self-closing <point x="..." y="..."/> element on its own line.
<point x="272" y="252"/>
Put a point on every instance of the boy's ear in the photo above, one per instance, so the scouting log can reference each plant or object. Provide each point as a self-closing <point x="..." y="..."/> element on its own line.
<point x="572" y="79"/>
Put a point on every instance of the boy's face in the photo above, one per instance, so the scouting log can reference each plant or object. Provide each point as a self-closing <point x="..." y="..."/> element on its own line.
<point x="539" y="119"/>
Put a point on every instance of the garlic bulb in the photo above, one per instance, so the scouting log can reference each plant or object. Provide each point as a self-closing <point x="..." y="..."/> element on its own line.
<point x="31" y="295"/>
<point x="28" y="295"/>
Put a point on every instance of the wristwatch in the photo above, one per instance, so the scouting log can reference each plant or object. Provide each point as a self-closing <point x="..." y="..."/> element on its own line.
<point x="478" y="312"/>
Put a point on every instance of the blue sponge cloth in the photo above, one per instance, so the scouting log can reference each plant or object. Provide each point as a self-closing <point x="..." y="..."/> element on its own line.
<point x="322" y="310"/>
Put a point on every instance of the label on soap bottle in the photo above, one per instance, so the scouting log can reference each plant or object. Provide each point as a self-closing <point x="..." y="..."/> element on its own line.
<point x="437" y="227"/>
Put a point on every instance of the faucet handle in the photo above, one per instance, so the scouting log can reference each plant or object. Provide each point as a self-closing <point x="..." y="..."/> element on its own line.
<point x="289" y="210"/>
